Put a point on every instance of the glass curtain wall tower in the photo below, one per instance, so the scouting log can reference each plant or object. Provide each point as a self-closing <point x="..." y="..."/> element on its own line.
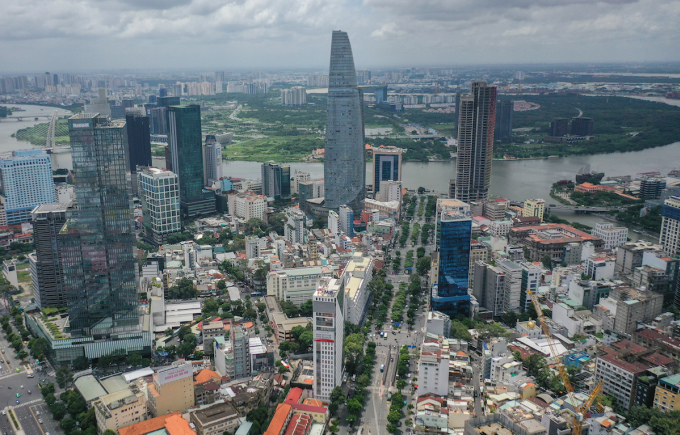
<point x="451" y="264"/>
<point x="344" y="161"/>
<point x="186" y="159"/>
<point x="476" y="122"/>
<point x="97" y="241"/>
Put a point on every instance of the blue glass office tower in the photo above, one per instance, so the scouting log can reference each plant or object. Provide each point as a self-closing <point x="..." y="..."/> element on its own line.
<point x="26" y="182"/>
<point x="452" y="264"/>
<point x="344" y="161"/>
<point x="386" y="166"/>
<point x="97" y="242"/>
<point x="186" y="159"/>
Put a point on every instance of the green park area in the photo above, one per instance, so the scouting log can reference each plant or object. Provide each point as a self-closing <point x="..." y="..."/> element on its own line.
<point x="37" y="135"/>
<point x="620" y="124"/>
<point x="264" y="130"/>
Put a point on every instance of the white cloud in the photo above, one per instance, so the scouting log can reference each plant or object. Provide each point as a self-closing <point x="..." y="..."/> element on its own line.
<point x="76" y="34"/>
<point x="387" y="31"/>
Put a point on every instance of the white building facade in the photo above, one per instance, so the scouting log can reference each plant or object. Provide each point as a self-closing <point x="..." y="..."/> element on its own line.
<point x="612" y="236"/>
<point x="159" y="193"/>
<point x="294" y="285"/>
<point x="329" y="330"/>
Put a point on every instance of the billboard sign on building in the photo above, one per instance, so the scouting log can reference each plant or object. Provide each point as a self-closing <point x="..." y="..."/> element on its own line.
<point x="174" y="374"/>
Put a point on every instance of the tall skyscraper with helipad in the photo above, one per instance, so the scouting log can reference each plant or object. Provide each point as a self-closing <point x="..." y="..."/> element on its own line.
<point x="344" y="161"/>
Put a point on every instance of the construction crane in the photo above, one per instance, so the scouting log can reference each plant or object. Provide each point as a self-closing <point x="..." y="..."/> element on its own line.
<point x="577" y="425"/>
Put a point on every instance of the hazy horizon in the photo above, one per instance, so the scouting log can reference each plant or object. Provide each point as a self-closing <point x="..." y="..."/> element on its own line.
<point x="89" y="35"/>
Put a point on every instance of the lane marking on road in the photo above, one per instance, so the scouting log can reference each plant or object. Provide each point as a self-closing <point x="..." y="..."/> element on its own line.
<point x="21" y="405"/>
<point x="375" y="414"/>
<point x="30" y="408"/>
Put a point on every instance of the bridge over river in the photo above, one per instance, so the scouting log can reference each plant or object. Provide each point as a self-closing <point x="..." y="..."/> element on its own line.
<point x="582" y="209"/>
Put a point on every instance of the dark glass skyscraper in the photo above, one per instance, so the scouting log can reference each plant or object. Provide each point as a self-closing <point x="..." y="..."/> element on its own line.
<point x="344" y="162"/>
<point x="476" y="120"/>
<point x="186" y="159"/>
<point x="276" y="180"/>
<point x="503" y="130"/>
<point x="139" y="140"/>
<point x="97" y="242"/>
<point x="452" y="264"/>
<point x="46" y="273"/>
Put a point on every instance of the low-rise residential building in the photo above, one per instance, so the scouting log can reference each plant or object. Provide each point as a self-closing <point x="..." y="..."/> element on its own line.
<point x="438" y="324"/>
<point x="246" y="396"/>
<point x="210" y="330"/>
<point x="577" y="322"/>
<point x="600" y="268"/>
<point x="500" y="228"/>
<point x="232" y="353"/>
<point x="667" y="396"/>
<point x="247" y="205"/>
<point x="495" y="208"/>
<point x="280" y="420"/>
<point x="172" y="389"/>
<point x="628" y="307"/>
<point x="216" y="419"/>
<point x="433" y="367"/>
<point x="612" y="237"/>
<point x="552" y="240"/>
<point x="283" y="325"/>
<point x="294" y="285"/>
<point x="534" y="208"/>
<point x="668" y="346"/>
<point x="171" y="423"/>
<point x="619" y="367"/>
<point x="356" y="276"/>
<point x="119" y="409"/>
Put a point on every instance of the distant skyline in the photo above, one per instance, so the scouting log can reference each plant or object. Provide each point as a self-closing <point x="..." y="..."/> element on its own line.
<point x="70" y="35"/>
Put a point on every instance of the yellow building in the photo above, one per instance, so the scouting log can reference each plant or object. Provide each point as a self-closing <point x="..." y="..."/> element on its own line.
<point x="120" y="409"/>
<point x="667" y="395"/>
<point x="172" y="390"/>
<point x="479" y="251"/>
<point x="534" y="207"/>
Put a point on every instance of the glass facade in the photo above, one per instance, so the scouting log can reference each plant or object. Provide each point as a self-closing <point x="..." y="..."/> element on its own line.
<point x="139" y="140"/>
<point x="476" y="121"/>
<point x="275" y="180"/>
<point x="212" y="156"/>
<point x="450" y="292"/>
<point x="46" y="272"/>
<point x="159" y="193"/>
<point x="97" y="242"/>
<point x="344" y="161"/>
<point x="186" y="159"/>
<point x="385" y="168"/>
<point x="26" y="182"/>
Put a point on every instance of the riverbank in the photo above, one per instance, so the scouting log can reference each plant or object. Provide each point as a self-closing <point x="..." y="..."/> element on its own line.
<point x="619" y="124"/>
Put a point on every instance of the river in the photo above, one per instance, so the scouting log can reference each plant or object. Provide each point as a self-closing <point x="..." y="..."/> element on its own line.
<point x="9" y="126"/>
<point x="513" y="179"/>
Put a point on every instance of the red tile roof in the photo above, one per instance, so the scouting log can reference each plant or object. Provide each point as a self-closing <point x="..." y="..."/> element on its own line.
<point x="299" y="425"/>
<point x="279" y="420"/>
<point x="294" y="396"/>
<point x="173" y="424"/>
<point x="310" y="408"/>
<point x="206" y="375"/>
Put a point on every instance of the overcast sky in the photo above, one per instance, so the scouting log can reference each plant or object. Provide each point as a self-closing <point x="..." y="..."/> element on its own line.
<point x="75" y="35"/>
